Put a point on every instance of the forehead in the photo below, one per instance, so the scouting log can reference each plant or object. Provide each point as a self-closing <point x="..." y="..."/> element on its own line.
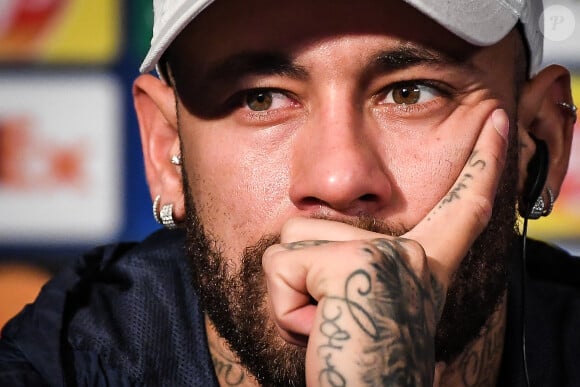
<point x="233" y="25"/>
<point x="229" y="28"/>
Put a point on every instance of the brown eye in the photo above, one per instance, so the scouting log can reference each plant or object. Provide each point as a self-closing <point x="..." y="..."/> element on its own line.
<point x="259" y="100"/>
<point x="406" y="94"/>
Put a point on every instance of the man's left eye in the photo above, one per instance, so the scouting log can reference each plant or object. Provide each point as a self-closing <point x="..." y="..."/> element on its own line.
<point x="410" y="94"/>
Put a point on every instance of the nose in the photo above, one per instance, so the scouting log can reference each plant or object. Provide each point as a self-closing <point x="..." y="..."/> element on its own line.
<point x="338" y="162"/>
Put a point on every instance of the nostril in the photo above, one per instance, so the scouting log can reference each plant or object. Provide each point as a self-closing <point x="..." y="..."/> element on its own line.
<point x="369" y="198"/>
<point x="312" y="201"/>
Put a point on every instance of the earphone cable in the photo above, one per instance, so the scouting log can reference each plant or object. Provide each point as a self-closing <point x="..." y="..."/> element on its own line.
<point x="523" y="299"/>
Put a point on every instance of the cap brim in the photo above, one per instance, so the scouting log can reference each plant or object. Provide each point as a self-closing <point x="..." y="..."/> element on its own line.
<point x="171" y="23"/>
<point x="479" y="22"/>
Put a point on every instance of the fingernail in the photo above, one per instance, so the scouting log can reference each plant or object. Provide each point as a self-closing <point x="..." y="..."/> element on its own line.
<point x="500" y="122"/>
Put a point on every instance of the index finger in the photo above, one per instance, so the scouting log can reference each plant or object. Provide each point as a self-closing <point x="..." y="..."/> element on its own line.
<point x="451" y="227"/>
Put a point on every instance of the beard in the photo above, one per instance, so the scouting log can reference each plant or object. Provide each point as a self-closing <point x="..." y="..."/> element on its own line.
<point x="235" y="300"/>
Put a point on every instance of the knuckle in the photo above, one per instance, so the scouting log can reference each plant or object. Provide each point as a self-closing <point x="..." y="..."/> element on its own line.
<point x="366" y="249"/>
<point x="401" y="251"/>
<point x="415" y="254"/>
<point x="412" y="247"/>
<point x="369" y="252"/>
<point x="481" y="212"/>
<point x="270" y="257"/>
<point x="497" y="160"/>
<point x="291" y="227"/>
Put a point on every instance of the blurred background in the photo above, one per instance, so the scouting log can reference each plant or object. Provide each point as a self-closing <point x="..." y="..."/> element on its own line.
<point x="71" y="174"/>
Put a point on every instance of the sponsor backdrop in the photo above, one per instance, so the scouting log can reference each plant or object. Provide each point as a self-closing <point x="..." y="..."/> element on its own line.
<point x="60" y="31"/>
<point x="71" y="173"/>
<point x="561" y="22"/>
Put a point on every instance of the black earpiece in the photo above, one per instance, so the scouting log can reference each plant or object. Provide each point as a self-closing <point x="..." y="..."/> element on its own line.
<point x="537" y="173"/>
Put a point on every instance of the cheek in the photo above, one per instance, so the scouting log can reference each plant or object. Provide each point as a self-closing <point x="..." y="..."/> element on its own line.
<point x="238" y="188"/>
<point x="424" y="167"/>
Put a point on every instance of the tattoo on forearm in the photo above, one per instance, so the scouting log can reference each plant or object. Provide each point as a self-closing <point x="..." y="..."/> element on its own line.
<point x="391" y="306"/>
<point x="227" y="369"/>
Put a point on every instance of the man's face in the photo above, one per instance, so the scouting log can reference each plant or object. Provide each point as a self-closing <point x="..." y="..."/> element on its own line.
<point x="341" y="110"/>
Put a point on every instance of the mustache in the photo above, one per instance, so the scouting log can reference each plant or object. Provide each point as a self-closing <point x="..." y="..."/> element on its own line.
<point x="252" y="255"/>
<point x="373" y="224"/>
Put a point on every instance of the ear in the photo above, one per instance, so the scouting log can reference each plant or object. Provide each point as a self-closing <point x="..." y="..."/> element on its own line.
<point x="156" y="113"/>
<point x="541" y="116"/>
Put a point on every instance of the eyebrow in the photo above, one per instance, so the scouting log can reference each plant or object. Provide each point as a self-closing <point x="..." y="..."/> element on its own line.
<point x="409" y="55"/>
<point x="254" y="63"/>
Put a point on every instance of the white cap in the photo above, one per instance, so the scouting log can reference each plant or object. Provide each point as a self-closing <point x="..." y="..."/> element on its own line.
<point x="479" y="22"/>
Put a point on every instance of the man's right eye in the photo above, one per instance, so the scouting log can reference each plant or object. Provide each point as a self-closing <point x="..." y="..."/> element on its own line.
<point x="259" y="100"/>
<point x="262" y="99"/>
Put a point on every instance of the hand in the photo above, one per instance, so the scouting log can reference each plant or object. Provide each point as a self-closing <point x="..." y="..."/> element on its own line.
<point x="379" y="298"/>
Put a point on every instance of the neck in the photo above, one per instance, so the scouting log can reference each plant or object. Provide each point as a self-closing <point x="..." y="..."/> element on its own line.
<point x="228" y="368"/>
<point x="478" y="365"/>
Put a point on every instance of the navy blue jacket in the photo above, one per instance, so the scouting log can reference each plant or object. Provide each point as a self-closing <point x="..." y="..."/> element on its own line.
<point x="126" y="315"/>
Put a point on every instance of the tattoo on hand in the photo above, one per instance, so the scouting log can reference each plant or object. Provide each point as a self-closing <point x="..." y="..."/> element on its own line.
<point x="454" y="193"/>
<point x="303" y="244"/>
<point x="474" y="162"/>
<point x="335" y="336"/>
<point x="391" y="306"/>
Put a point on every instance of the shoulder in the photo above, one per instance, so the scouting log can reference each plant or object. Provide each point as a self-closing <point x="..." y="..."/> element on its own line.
<point x="553" y="292"/>
<point x="106" y="314"/>
<point x="551" y="265"/>
<point x="552" y="315"/>
<point x="31" y="342"/>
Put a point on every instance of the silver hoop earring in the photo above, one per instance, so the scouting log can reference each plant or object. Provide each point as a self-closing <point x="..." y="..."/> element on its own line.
<point x="541" y="208"/>
<point x="166" y="215"/>
<point x="551" y="201"/>
<point x="156" y="209"/>
<point x="176" y="159"/>
<point x="570" y="108"/>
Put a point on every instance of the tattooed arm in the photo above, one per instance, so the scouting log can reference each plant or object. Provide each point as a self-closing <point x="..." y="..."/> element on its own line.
<point x="380" y="297"/>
